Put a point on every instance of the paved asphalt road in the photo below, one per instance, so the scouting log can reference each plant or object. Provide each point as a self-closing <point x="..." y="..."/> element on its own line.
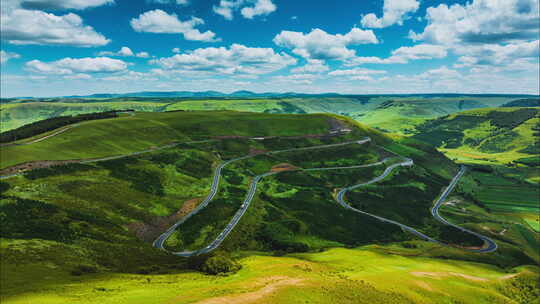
<point x="234" y="221"/>
<point x="160" y="241"/>
<point x="490" y="245"/>
<point x="341" y="194"/>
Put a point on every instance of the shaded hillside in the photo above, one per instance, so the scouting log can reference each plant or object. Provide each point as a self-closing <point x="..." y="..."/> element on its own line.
<point x="527" y="102"/>
<point x="506" y="134"/>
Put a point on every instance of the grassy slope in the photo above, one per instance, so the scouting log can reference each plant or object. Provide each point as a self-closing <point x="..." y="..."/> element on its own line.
<point x="145" y="130"/>
<point x="485" y="135"/>
<point x="401" y="115"/>
<point x="92" y="192"/>
<point x="365" y="275"/>
<point x="396" y="114"/>
<point x="500" y="205"/>
<point x="18" y="114"/>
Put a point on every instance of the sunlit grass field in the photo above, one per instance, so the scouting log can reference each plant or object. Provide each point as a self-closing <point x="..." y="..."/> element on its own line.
<point x="364" y="275"/>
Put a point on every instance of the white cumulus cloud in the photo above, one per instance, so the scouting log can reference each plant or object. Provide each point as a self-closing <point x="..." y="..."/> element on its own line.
<point x="5" y="56"/>
<point x="296" y="78"/>
<point x="320" y="45"/>
<point x="261" y="7"/>
<point x="68" y="66"/>
<point x="248" y="8"/>
<point x="501" y="55"/>
<point x="312" y="66"/>
<point x="62" y="4"/>
<point x="237" y="59"/>
<point x="158" y="21"/>
<point x="356" y="72"/>
<point x="486" y="32"/>
<point x="481" y="22"/>
<point x="405" y="54"/>
<point x="440" y="73"/>
<point x="20" y="26"/>
<point x="179" y="2"/>
<point x="80" y="76"/>
<point x="125" y="52"/>
<point x="394" y="12"/>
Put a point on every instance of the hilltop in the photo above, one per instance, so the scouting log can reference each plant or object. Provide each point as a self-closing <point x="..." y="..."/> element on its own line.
<point x="392" y="113"/>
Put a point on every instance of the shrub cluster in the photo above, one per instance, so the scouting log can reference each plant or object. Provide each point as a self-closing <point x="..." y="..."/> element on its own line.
<point x="214" y="263"/>
<point x="141" y="179"/>
<point x="57" y="170"/>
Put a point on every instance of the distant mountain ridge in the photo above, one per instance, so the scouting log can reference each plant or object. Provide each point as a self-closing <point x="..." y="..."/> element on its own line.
<point x="202" y="94"/>
<point x="250" y="94"/>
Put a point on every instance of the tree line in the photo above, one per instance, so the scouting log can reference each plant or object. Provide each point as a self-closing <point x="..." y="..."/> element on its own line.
<point x="50" y="124"/>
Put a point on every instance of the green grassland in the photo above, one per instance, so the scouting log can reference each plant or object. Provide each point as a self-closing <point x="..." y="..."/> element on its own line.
<point x="392" y="113"/>
<point x="500" y="205"/>
<point x="14" y="115"/>
<point x="502" y="135"/>
<point x="108" y="137"/>
<point x="89" y="227"/>
<point x="365" y="275"/>
<point x="401" y="115"/>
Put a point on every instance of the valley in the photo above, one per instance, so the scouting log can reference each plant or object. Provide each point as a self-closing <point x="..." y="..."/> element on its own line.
<point x="252" y="192"/>
<point x="269" y="152"/>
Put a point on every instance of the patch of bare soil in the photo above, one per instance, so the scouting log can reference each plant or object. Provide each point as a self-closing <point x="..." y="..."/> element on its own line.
<point x="271" y="285"/>
<point x="253" y="151"/>
<point x="440" y="275"/>
<point x="423" y="285"/>
<point x="148" y="232"/>
<point x="338" y="126"/>
<point x="508" y="276"/>
<point x="36" y="165"/>
<point x="283" y="167"/>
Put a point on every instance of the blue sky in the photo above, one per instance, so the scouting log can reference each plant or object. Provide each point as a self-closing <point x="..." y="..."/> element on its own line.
<point x="64" y="47"/>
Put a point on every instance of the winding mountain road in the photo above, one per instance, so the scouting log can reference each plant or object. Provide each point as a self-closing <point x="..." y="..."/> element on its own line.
<point x="160" y="241"/>
<point x="489" y="244"/>
<point x="341" y="195"/>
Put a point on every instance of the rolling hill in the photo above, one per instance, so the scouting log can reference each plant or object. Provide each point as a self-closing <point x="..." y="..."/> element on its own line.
<point x="489" y="135"/>
<point x="92" y="223"/>
<point x="393" y="113"/>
